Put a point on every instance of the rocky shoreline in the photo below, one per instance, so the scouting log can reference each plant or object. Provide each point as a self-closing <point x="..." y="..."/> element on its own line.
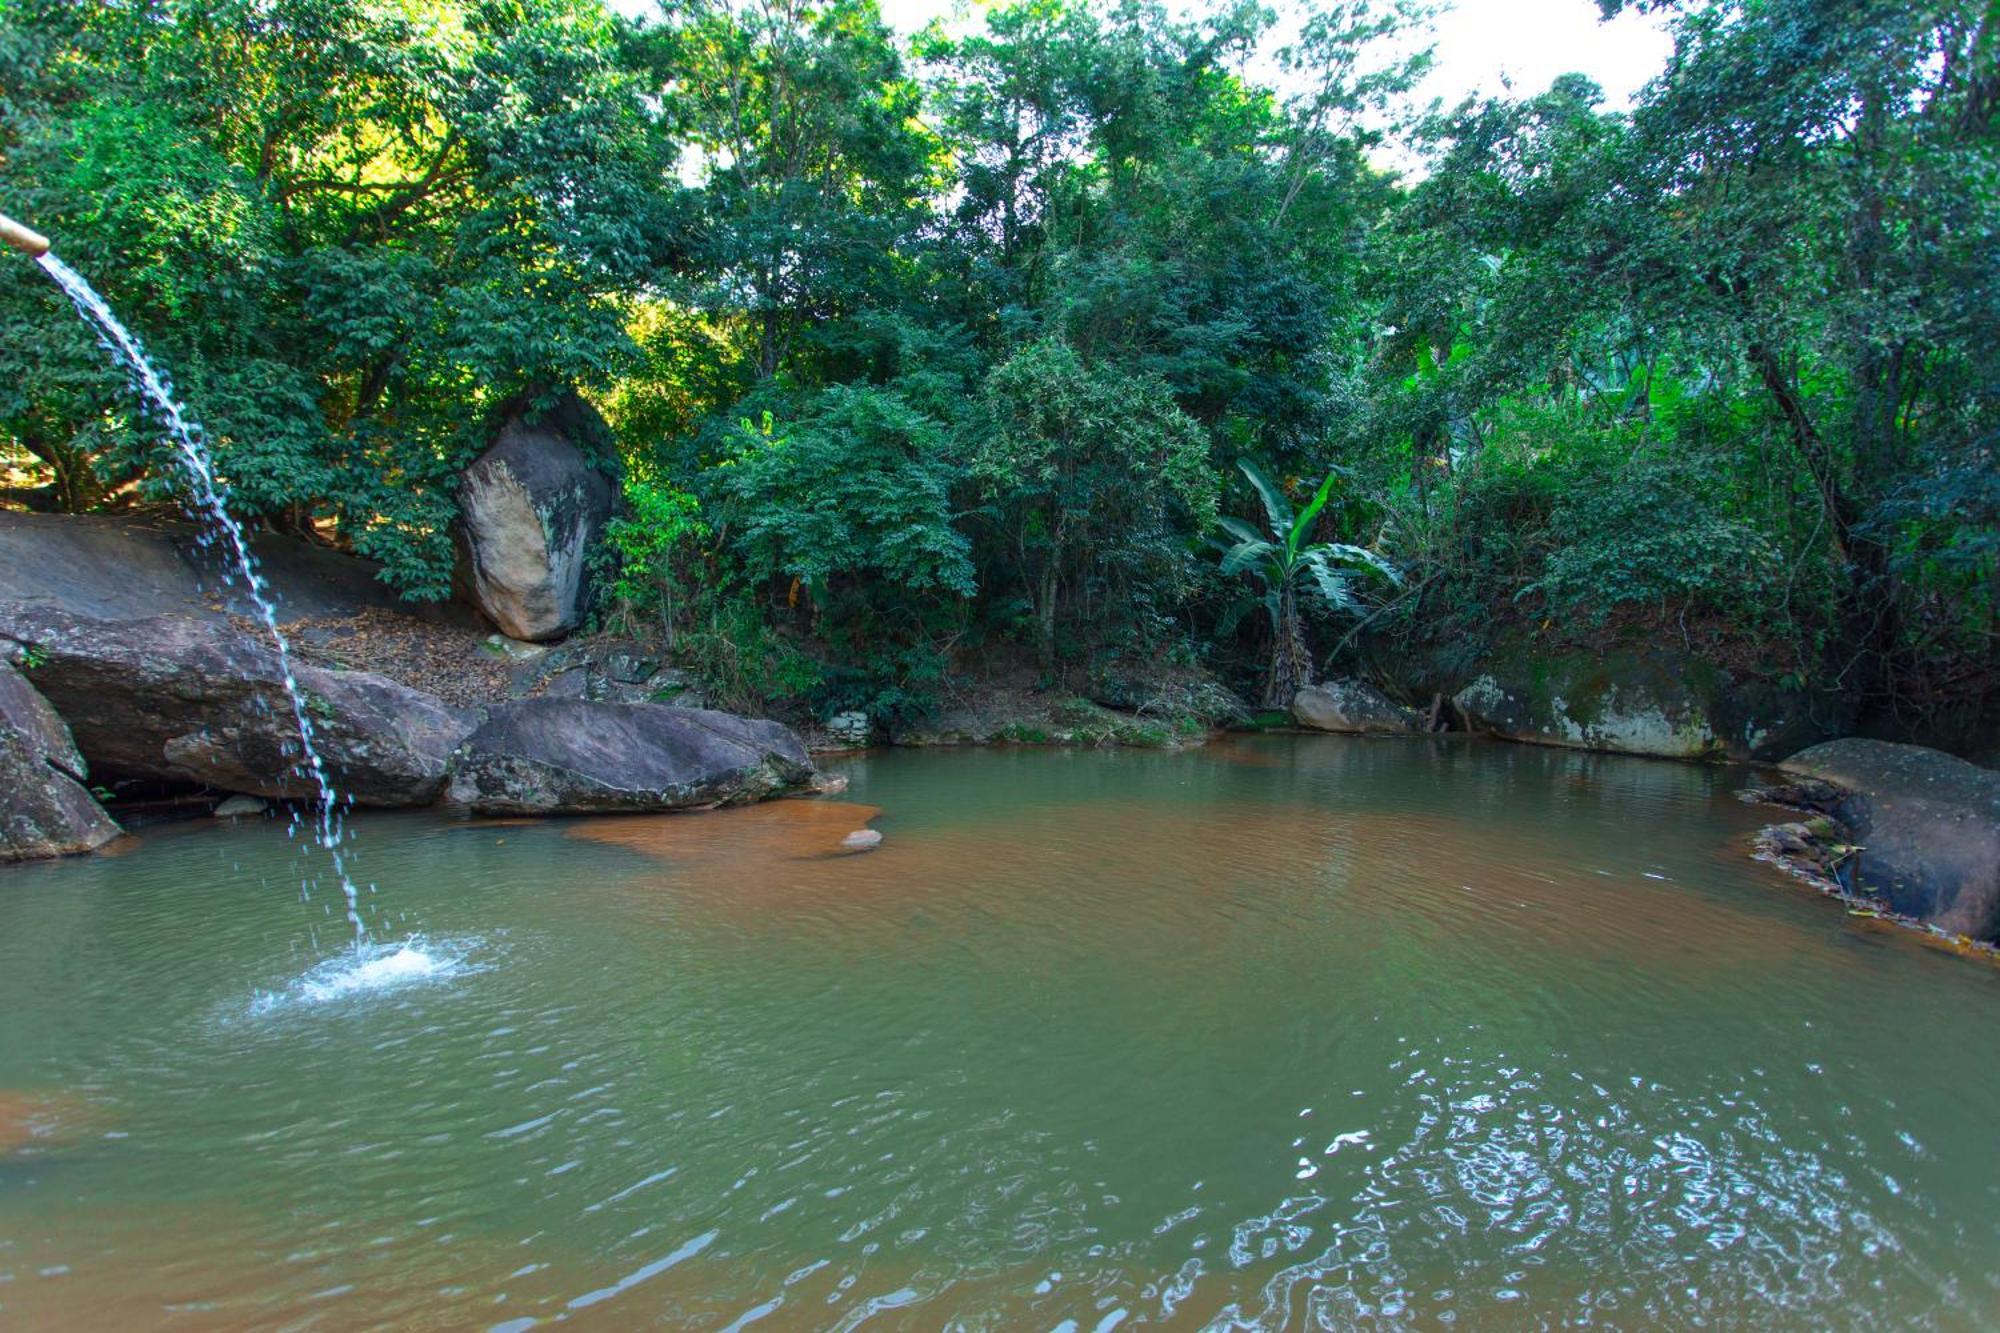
<point x="1899" y="831"/>
<point x="126" y="665"/>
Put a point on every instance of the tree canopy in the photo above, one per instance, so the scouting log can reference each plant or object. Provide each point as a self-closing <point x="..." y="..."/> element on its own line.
<point x="919" y="346"/>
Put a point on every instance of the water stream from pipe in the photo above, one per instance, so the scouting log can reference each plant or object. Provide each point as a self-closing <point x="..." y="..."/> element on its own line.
<point x="210" y="497"/>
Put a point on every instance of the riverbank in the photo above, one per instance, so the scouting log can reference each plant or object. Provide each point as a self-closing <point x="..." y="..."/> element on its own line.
<point x="145" y="686"/>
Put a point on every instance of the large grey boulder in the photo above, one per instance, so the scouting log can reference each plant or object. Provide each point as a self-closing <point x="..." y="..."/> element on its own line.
<point x="1928" y="826"/>
<point x="25" y="713"/>
<point x="201" y="701"/>
<point x="1656" y="703"/>
<point x="45" y="809"/>
<point x="530" y="509"/>
<point x="581" y="756"/>
<point x="1352" y="707"/>
<point x="1632" y="716"/>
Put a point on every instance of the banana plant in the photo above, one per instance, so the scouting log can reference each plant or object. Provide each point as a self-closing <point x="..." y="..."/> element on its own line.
<point x="1283" y="560"/>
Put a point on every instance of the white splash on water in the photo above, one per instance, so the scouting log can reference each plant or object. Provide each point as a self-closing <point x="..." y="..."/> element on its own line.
<point x="395" y="969"/>
<point x="209" y="496"/>
<point x="373" y="969"/>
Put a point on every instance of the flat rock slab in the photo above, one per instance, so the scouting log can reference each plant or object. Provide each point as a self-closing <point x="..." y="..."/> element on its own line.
<point x="583" y="756"/>
<point x="1928" y="825"/>
<point x="113" y="567"/>
<point x="199" y="701"/>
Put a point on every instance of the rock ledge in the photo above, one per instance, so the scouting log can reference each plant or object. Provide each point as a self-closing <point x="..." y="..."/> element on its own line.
<point x="578" y="756"/>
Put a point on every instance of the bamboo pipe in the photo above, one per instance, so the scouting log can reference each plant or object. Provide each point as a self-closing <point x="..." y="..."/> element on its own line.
<point x="23" y="238"/>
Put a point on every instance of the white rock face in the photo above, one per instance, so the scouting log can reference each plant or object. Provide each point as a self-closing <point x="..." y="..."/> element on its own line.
<point x="530" y="509"/>
<point x="1624" y="719"/>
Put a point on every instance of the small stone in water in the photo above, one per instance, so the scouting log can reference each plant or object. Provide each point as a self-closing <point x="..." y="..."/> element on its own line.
<point x="236" y="807"/>
<point x="862" y="840"/>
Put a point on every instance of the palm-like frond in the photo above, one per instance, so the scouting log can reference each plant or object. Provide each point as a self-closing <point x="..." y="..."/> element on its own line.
<point x="1247" y="553"/>
<point x="1336" y="584"/>
<point x="1276" y="507"/>
<point x="1329" y="582"/>
<point x="1281" y="556"/>
<point x="1358" y="555"/>
<point x="1302" y="526"/>
<point x="1238" y="529"/>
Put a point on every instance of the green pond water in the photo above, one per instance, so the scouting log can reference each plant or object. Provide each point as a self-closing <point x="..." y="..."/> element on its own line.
<point x="1287" y="1032"/>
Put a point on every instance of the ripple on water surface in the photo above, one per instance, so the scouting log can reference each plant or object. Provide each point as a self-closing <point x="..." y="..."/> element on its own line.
<point x="1287" y="1034"/>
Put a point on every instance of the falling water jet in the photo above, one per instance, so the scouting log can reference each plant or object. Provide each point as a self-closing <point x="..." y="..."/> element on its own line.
<point x="209" y="496"/>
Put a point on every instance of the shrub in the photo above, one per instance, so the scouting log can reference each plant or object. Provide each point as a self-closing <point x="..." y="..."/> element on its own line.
<point x="1656" y="535"/>
<point x="644" y="550"/>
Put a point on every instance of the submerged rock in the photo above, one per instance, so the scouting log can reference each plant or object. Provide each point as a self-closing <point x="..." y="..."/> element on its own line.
<point x="530" y="508"/>
<point x="581" y="756"/>
<point x="45" y="810"/>
<point x="1925" y="825"/>
<point x="200" y="701"/>
<point x="1351" y="706"/>
<point x="862" y="840"/>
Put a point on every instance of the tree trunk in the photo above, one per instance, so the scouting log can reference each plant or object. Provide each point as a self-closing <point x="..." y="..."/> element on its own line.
<point x="1291" y="664"/>
<point x="1045" y="614"/>
<point x="1867" y="615"/>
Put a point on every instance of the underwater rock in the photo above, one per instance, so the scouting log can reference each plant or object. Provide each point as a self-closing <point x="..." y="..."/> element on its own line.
<point x="1351" y="706"/>
<point x="531" y="507"/>
<point x="862" y="840"/>
<point x="582" y="756"/>
<point x="199" y="701"/>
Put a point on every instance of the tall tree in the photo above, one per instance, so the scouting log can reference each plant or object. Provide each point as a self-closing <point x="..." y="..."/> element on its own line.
<point x="349" y="230"/>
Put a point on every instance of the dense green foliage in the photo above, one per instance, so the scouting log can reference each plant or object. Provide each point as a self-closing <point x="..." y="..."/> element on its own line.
<point x="347" y="229"/>
<point x="923" y="351"/>
<point x="1285" y="558"/>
